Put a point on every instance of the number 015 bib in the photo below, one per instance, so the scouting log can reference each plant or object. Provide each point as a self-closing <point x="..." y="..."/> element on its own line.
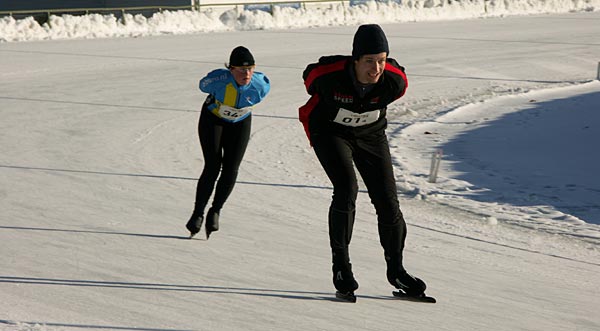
<point x="349" y="118"/>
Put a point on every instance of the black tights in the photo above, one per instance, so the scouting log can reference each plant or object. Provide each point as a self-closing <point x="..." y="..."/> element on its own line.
<point x="371" y="155"/>
<point x="223" y="146"/>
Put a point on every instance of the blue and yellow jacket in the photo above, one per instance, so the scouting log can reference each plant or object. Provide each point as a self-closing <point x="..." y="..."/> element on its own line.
<point x="227" y="100"/>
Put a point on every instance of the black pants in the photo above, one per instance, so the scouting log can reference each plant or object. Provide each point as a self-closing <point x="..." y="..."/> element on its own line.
<point x="371" y="155"/>
<point x="223" y="146"/>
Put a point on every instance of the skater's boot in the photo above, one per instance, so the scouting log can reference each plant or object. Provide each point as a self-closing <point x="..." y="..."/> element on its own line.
<point x="212" y="221"/>
<point x="344" y="282"/>
<point x="195" y="223"/>
<point x="404" y="281"/>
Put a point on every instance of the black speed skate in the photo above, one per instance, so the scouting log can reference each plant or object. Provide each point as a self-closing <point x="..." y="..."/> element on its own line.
<point x="194" y="224"/>
<point x="407" y="283"/>
<point x="212" y="222"/>
<point x="409" y="287"/>
<point x="344" y="282"/>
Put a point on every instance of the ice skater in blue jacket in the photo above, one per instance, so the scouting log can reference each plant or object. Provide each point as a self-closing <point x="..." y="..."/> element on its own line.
<point x="224" y="131"/>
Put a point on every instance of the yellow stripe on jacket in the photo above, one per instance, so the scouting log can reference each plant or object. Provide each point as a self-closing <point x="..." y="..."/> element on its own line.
<point x="229" y="99"/>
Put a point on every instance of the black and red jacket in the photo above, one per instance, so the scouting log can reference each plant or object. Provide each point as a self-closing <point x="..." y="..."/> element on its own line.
<point x="331" y="84"/>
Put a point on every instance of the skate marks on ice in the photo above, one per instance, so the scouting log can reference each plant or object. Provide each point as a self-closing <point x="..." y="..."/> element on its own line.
<point x="523" y="249"/>
<point x="187" y="237"/>
<point x="125" y="174"/>
<point x="10" y="325"/>
<point x="246" y="291"/>
<point x="146" y="235"/>
<point x="206" y="289"/>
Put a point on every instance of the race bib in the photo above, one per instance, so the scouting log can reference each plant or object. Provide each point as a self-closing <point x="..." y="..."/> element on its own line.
<point x="233" y="114"/>
<point x="348" y="118"/>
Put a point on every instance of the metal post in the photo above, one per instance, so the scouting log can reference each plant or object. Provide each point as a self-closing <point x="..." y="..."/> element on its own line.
<point x="598" y="74"/>
<point x="436" y="158"/>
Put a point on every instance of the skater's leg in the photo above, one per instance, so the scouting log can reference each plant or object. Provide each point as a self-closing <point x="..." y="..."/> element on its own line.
<point x="210" y="132"/>
<point x="335" y="155"/>
<point x="234" y="142"/>
<point x="373" y="160"/>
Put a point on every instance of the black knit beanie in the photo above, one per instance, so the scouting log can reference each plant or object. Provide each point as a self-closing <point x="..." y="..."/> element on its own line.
<point x="241" y="56"/>
<point x="369" y="39"/>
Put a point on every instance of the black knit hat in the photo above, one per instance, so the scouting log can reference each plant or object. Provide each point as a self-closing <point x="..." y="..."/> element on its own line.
<point x="241" y="56"/>
<point x="369" y="39"/>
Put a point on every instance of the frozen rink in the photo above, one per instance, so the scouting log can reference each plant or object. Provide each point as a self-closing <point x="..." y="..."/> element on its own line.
<point x="99" y="159"/>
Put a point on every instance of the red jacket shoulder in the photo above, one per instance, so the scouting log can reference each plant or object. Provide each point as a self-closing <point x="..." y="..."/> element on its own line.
<point x="326" y="65"/>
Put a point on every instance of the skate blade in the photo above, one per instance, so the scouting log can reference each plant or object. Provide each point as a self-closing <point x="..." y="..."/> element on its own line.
<point x="420" y="298"/>
<point x="346" y="297"/>
<point x="192" y="233"/>
<point x="209" y="231"/>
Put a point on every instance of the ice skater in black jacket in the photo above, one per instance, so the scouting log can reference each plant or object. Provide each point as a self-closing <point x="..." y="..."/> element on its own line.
<point x="345" y="121"/>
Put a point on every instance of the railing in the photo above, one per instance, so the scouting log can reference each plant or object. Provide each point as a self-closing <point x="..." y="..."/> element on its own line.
<point x="92" y="10"/>
<point x="196" y="5"/>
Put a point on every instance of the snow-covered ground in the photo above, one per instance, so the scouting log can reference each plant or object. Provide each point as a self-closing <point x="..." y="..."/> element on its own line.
<point x="524" y="159"/>
<point x="99" y="159"/>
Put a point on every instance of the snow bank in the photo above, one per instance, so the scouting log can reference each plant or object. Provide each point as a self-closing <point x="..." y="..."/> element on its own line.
<point x="334" y="14"/>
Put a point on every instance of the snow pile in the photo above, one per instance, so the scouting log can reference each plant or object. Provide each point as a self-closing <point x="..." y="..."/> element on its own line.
<point x="523" y="159"/>
<point x="313" y="15"/>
